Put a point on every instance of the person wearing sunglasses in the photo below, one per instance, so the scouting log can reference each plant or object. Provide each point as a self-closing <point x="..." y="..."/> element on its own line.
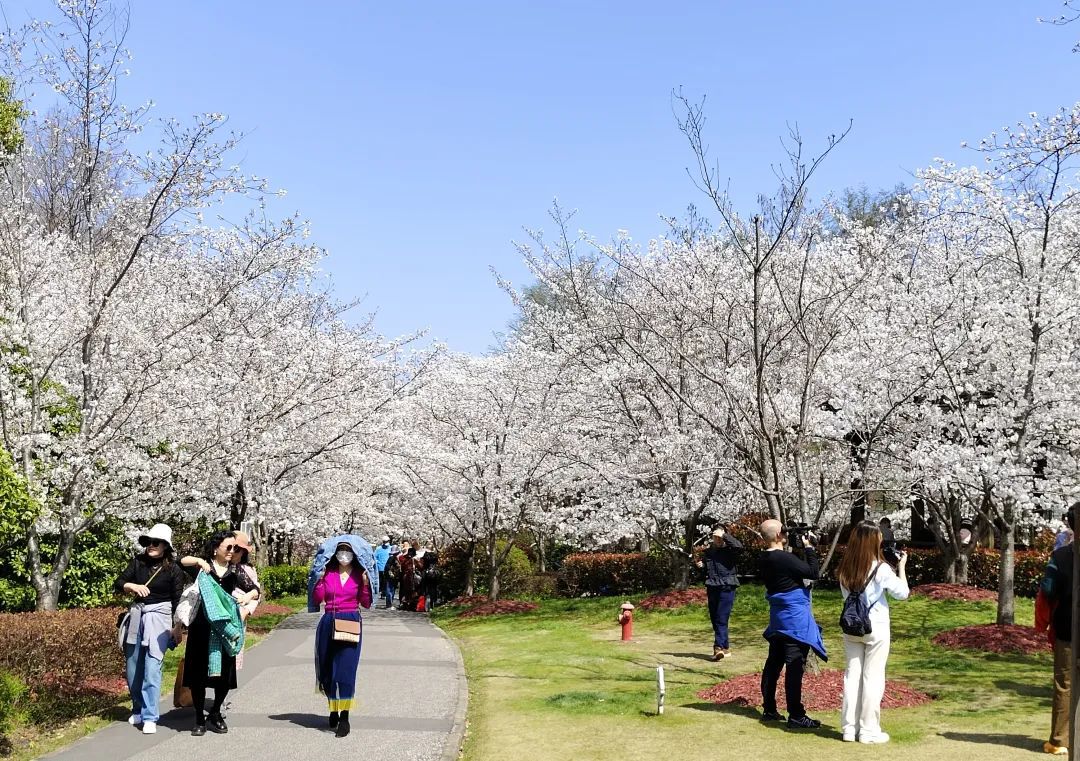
<point x="217" y="563"/>
<point x="154" y="582"/>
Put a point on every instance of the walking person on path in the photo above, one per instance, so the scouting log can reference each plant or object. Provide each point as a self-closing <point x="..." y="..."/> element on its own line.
<point x="864" y="571"/>
<point x="721" y="584"/>
<point x="155" y="582"/>
<point x="343" y="588"/>
<point x="210" y="659"/>
<point x="792" y="630"/>
<point x="382" y="557"/>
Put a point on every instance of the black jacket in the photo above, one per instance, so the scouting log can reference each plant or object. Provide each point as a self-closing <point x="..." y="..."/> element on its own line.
<point x="1057" y="586"/>
<point x="167" y="585"/>
<point x="720" y="563"/>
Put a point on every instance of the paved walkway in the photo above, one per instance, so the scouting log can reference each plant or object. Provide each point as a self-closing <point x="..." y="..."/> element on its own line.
<point x="410" y="706"/>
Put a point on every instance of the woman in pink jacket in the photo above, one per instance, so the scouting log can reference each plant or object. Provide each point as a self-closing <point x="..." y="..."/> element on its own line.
<point x="343" y="588"/>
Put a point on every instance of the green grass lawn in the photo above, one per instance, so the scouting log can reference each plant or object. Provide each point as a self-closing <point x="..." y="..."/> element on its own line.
<point x="31" y="741"/>
<point x="558" y="684"/>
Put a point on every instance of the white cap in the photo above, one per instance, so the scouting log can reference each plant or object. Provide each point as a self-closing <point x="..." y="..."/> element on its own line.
<point x="157" y="531"/>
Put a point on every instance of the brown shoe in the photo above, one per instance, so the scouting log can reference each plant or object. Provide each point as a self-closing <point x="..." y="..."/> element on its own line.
<point x="718" y="653"/>
<point x="727" y="653"/>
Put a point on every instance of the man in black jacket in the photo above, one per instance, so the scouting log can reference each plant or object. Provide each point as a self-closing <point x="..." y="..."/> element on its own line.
<point x="721" y="582"/>
<point x="792" y="631"/>
<point x="1057" y="587"/>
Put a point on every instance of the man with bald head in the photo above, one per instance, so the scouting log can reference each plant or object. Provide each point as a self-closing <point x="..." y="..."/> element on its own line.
<point x="792" y="630"/>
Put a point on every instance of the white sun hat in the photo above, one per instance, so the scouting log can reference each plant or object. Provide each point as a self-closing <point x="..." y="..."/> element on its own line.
<point x="157" y="531"/>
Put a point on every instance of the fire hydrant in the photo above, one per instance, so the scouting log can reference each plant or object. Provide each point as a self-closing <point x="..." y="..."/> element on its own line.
<point x="626" y="618"/>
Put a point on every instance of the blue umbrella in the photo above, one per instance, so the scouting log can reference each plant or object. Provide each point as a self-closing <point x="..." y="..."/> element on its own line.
<point x="365" y="556"/>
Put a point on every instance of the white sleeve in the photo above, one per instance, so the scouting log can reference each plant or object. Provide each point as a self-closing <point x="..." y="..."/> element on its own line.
<point x="891" y="583"/>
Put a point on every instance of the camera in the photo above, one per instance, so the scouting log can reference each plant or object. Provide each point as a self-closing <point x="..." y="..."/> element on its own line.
<point x="891" y="552"/>
<point x="800" y="535"/>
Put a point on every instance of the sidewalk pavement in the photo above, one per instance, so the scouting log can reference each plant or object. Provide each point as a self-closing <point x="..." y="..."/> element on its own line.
<point x="411" y="700"/>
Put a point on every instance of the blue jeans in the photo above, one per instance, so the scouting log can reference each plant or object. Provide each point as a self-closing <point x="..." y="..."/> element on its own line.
<point x="143" y="673"/>
<point x="721" y="601"/>
<point x="388" y="592"/>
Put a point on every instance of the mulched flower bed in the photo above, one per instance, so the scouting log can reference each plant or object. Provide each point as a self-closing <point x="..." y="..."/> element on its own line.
<point x="674" y="599"/>
<point x="821" y="692"/>
<point x="992" y="638"/>
<point x="955" y="592"/>
<point x="272" y="609"/>
<point x="469" y="601"/>
<point x="497" y="608"/>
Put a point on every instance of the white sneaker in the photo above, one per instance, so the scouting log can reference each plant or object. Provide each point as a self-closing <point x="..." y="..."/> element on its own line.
<point x="875" y="739"/>
<point x="135" y="720"/>
<point x="849" y="737"/>
<point x="149" y="728"/>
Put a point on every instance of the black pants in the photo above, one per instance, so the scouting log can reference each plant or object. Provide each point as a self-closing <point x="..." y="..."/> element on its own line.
<point x="784" y="651"/>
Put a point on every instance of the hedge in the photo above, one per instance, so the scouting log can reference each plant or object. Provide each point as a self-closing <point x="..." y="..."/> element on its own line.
<point x="610" y="573"/>
<point x="68" y="659"/>
<point x="283" y="580"/>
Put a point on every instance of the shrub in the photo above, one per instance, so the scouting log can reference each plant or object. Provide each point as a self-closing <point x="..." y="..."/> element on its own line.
<point x="11" y="692"/>
<point x="609" y="573"/>
<point x="68" y="659"/>
<point x="282" y="580"/>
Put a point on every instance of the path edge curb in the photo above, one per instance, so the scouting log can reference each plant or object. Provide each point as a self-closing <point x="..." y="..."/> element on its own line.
<point x="452" y="751"/>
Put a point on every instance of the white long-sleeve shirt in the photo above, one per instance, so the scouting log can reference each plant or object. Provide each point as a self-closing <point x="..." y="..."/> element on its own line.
<point x="884" y="581"/>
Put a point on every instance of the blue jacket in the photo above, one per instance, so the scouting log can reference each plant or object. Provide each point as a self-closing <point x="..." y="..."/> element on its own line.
<point x="382" y="554"/>
<point x="364" y="556"/>
<point x="790" y="614"/>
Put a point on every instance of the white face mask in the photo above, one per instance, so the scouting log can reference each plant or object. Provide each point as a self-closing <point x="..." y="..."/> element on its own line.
<point x="344" y="557"/>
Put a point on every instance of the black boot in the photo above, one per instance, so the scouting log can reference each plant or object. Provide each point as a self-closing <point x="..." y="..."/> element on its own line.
<point x="333" y="719"/>
<point x="343" y="725"/>
<point x="216" y="723"/>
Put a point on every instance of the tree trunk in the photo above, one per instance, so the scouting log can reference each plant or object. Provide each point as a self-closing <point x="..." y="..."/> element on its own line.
<point x="1006" y="608"/>
<point x="47" y="585"/>
<point x="541" y="553"/>
<point x="960" y="567"/>
<point x="470" y="569"/>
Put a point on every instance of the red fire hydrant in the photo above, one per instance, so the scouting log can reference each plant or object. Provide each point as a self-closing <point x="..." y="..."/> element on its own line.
<point x="626" y="618"/>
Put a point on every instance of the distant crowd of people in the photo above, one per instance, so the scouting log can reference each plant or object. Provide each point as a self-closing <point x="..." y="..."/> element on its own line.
<point x="410" y="572"/>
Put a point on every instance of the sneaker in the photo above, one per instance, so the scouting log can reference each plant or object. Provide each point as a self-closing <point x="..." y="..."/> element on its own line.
<point x="718" y="653"/>
<point x="875" y="739"/>
<point x="803" y="722"/>
<point x="135" y="719"/>
<point x="149" y="728"/>
<point x="727" y="653"/>
<point x="1055" y="750"/>
<point x="772" y="716"/>
<point x="849" y="737"/>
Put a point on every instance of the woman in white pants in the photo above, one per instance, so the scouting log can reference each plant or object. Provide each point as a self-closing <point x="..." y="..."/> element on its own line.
<point x="864" y="571"/>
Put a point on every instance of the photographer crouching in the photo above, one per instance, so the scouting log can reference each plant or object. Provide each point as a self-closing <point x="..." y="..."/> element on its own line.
<point x="792" y="631"/>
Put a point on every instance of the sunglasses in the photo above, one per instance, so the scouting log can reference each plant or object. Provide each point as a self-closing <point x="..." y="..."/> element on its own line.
<point x="229" y="547"/>
<point x="156" y="543"/>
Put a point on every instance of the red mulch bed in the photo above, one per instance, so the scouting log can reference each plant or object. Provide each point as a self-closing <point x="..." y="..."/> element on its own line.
<point x="992" y="638"/>
<point x="675" y="599"/>
<point x="821" y="692"/>
<point x="470" y="601"/>
<point x="955" y="592"/>
<point x="497" y="608"/>
<point x="272" y="609"/>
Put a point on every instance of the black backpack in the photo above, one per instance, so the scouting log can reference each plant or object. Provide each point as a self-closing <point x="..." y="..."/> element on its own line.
<point x="855" y="615"/>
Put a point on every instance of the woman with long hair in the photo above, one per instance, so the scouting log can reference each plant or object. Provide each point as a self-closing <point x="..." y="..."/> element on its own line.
<point x="864" y="571"/>
<point x="155" y="583"/>
<point x="343" y="588"/>
<point x="216" y="563"/>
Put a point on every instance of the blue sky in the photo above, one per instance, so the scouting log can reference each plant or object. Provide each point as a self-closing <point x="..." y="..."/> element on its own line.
<point x="421" y="138"/>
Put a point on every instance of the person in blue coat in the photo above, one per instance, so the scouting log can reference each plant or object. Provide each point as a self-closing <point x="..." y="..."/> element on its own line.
<point x="382" y="556"/>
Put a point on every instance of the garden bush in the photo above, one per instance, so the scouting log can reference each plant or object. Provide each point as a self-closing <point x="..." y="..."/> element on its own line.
<point x="609" y="573"/>
<point x="68" y="660"/>
<point x="12" y="690"/>
<point x="282" y="580"/>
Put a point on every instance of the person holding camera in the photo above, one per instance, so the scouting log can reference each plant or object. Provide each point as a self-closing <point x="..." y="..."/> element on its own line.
<point x="792" y="631"/>
<point x="721" y="583"/>
<point x="864" y="571"/>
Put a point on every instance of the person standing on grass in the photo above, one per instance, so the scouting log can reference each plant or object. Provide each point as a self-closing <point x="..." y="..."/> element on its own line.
<point x="343" y="588"/>
<point x="792" y="630"/>
<point x="864" y="571"/>
<point x="155" y="583"/>
<point x="1057" y="587"/>
<point x="721" y="583"/>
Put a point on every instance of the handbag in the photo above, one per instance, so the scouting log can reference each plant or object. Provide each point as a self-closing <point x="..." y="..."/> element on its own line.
<point x="181" y="696"/>
<point x="188" y="607"/>
<point x="347" y="631"/>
